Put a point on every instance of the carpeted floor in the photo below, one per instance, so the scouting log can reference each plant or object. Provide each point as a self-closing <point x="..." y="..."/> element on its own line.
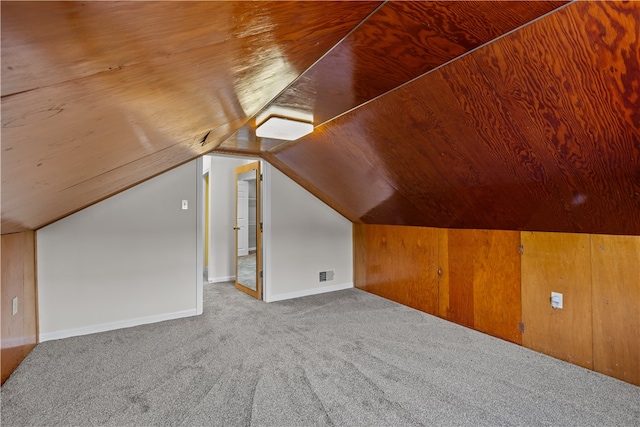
<point x="346" y="358"/>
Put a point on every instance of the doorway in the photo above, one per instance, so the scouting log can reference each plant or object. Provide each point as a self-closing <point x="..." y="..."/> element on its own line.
<point x="248" y="230"/>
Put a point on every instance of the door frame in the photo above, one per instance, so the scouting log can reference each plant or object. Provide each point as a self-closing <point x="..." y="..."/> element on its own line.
<point x="255" y="166"/>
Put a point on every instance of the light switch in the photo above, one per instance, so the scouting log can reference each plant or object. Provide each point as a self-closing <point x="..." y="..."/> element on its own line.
<point x="15" y="305"/>
<point x="556" y="300"/>
<point x="185" y="204"/>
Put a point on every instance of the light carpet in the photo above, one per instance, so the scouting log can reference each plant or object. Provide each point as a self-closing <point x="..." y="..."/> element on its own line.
<point x="347" y="358"/>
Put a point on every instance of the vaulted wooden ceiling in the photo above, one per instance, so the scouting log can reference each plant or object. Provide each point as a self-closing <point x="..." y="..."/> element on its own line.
<point x="501" y="114"/>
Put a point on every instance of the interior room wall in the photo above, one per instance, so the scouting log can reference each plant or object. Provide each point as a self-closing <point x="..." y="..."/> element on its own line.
<point x="500" y="282"/>
<point x="20" y="326"/>
<point x="303" y="236"/>
<point x="128" y="260"/>
<point x="222" y="199"/>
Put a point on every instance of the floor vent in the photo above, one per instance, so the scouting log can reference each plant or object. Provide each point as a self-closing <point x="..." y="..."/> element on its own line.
<point x="325" y="276"/>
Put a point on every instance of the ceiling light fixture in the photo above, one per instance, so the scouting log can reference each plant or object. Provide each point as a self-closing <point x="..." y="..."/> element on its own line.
<point x="282" y="128"/>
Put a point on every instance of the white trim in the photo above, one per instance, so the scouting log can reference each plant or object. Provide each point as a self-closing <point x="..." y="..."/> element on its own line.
<point x="308" y="292"/>
<point x="200" y="198"/>
<point x="103" y="327"/>
<point x="266" y="232"/>
<point x="222" y="279"/>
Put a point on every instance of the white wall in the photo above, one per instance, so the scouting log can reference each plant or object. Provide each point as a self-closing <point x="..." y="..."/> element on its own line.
<point x="128" y="260"/>
<point x="303" y="236"/>
<point x="222" y="199"/>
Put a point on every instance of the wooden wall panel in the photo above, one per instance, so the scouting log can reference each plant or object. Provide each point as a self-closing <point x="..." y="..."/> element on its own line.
<point x="359" y="257"/>
<point x="459" y="266"/>
<point x="402" y="264"/>
<point x="18" y="332"/>
<point x="615" y="270"/>
<point x="480" y="281"/>
<point x="496" y="284"/>
<point x="557" y="262"/>
<point x="471" y="277"/>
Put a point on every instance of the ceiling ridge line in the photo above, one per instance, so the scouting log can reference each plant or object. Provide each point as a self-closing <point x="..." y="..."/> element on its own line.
<point x="268" y="103"/>
<point x="558" y="9"/>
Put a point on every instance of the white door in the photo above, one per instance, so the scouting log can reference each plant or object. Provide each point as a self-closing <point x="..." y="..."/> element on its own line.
<point x="243" y="218"/>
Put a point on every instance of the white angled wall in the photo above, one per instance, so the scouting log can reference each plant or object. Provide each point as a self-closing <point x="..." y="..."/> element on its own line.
<point x="303" y="237"/>
<point x="128" y="260"/>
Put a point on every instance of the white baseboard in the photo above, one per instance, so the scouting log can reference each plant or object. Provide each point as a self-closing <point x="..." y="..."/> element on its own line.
<point x="308" y="292"/>
<point x="222" y="279"/>
<point x="103" y="327"/>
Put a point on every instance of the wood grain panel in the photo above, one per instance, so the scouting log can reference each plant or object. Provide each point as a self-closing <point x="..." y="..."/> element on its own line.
<point x="584" y="125"/>
<point x="359" y="257"/>
<point x="557" y="262"/>
<point x="615" y="267"/>
<point x="399" y="42"/>
<point x="460" y="267"/>
<point x="19" y="331"/>
<point x="502" y="138"/>
<point x="349" y="183"/>
<point x="402" y="265"/>
<point x="497" y="299"/>
<point x="480" y="281"/>
<point x="443" y="273"/>
<point x="91" y="88"/>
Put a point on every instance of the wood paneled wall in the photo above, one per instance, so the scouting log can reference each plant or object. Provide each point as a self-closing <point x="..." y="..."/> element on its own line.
<point x="480" y="283"/>
<point x="19" y="331"/>
<point x="557" y="262"/>
<point x="471" y="277"/>
<point x="412" y="254"/>
<point x="496" y="281"/>
<point x="615" y="273"/>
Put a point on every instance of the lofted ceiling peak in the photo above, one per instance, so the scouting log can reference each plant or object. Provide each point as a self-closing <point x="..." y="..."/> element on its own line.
<point x="469" y="114"/>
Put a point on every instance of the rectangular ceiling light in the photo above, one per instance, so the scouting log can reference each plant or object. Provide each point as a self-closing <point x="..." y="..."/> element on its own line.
<point x="287" y="129"/>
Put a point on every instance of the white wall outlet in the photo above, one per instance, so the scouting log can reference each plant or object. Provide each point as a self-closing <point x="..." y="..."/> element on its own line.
<point x="556" y="300"/>
<point x="185" y="205"/>
<point x="15" y="305"/>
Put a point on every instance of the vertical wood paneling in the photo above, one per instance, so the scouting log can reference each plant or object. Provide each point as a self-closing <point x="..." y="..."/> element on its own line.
<point x="480" y="283"/>
<point x="615" y="270"/>
<point x="496" y="284"/>
<point x="359" y="257"/>
<point x="29" y="293"/>
<point x="459" y="264"/>
<point x="402" y="265"/>
<point x="19" y="332"/>
<point x="443" y="273"/>
<point x="557" y="262"/>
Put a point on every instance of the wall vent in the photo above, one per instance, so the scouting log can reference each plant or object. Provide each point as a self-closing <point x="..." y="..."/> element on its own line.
<point x="325" y="276"/>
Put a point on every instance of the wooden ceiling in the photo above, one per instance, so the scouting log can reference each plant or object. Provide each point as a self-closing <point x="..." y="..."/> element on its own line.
<point x="99" y="96"/>
<point x="507" y="115"/>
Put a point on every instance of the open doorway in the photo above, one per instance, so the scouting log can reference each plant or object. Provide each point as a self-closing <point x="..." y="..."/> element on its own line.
<point x="248" y="230"/>
<point x="221" y="219"/>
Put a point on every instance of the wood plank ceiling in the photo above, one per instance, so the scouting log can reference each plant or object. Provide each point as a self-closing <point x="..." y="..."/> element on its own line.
<point x="445" y="114"/>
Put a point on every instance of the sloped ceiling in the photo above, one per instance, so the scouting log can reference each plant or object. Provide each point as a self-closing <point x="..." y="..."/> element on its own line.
<point x="509" y="115"/>
<point x="99" y="96"/>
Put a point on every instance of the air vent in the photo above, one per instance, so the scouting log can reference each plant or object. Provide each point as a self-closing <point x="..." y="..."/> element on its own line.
<point x="325" y="276"/>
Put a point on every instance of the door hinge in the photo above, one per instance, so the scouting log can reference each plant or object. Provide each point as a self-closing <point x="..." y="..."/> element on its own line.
<point x="260" y="177"/>
<point x="520" y="249"/>
<point x="261" y="227"/>
<point x="261" y="274"/>
<point x="521" y="326"/>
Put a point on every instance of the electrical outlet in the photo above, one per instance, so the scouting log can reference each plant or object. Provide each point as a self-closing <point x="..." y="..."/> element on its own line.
<point x="15" y="305"/>
<point x="556" y="300"/>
